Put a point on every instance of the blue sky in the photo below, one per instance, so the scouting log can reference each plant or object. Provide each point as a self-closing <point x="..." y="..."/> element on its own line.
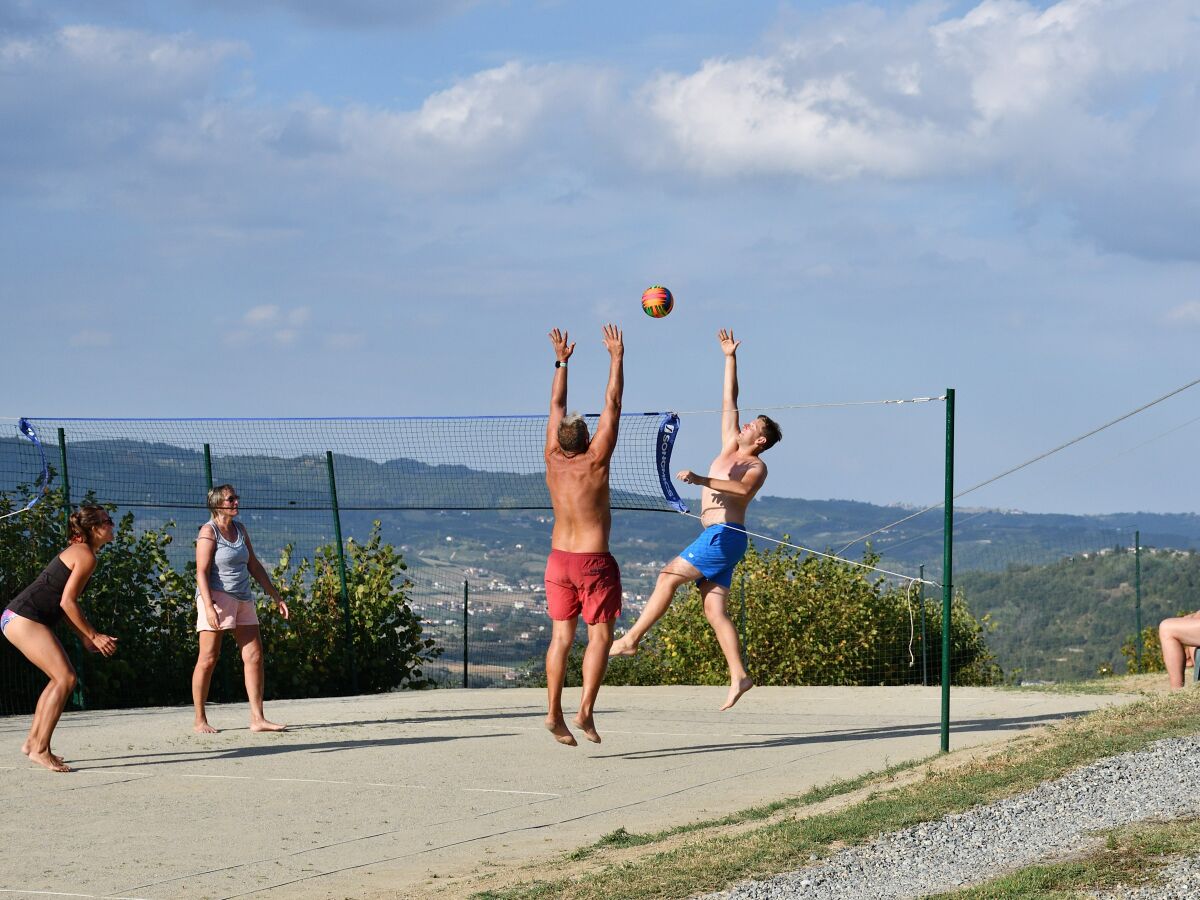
<point x="380" y="208"/>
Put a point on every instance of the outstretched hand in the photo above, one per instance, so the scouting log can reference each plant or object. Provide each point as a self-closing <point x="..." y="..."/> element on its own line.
<point x="614" y="341"/>
<point x="687" y="476"/>
<point x="562" y="349"/>
<point x="728" y="344"/>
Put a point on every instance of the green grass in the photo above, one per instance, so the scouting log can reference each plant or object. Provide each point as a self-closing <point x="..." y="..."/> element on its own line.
<point x="623" y="838"/>
<point x="712" y="862"/>
<point x="1131" y="856"/>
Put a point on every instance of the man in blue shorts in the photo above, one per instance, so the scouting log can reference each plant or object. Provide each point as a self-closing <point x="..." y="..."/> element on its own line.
<point x="733" y="479"/>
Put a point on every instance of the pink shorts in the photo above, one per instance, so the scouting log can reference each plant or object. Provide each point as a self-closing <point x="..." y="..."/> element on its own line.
<point x="231" y="612"/>
<point x="583" y="582"/>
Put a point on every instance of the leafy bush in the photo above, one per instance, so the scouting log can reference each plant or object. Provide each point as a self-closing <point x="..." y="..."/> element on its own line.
<point x="808" y="620"/>
<point x="136" y="596"/>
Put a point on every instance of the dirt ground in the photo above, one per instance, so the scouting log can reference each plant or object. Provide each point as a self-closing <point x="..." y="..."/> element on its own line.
<point x="427" y="793"/>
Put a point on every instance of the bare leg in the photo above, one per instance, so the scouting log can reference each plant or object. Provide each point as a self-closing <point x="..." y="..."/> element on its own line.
<point x="41" y="647"/>
<point x="206" y="662"/>
<point x="250" y="643"/>
<point x="1174" y="634"/>
<point x="37" y="715"/>
<point x="595" y="662"/>
<point x="677" y="572"/>
<point x="714" y="609"/>
<point x="562" y="636"/>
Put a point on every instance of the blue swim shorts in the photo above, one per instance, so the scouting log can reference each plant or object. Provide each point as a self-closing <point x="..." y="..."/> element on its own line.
<point x="717" y="551"/>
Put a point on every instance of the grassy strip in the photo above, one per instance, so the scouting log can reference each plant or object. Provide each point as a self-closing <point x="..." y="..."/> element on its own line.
<point x="1132" y="856"/>
<point x="712" y="863"/>
<point x="622" y="838"/>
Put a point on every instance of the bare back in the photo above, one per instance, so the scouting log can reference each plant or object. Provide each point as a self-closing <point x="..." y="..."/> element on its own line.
<point x="579" y="494"/>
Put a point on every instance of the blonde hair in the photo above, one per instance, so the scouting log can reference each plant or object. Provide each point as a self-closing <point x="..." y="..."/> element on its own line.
<point x="216" y="496"/>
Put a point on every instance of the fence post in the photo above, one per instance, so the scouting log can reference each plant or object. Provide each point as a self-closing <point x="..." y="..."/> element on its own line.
<point x="1137" y="594"/>
<point x="947" y="568"/>
<point x="341" y="551"/>
<point x="924" y="637"/>
<point x="76" y="647"/>
<point x="466" y="642"/>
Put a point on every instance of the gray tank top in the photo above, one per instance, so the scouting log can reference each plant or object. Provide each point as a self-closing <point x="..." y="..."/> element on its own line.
<point x="230" y="569"/>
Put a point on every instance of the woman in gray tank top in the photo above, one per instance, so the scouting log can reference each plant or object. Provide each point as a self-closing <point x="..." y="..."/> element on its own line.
<point x="225" y="563"/>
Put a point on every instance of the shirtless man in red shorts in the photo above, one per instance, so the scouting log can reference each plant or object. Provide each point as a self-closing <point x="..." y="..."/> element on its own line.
<point x="581" y="575"/>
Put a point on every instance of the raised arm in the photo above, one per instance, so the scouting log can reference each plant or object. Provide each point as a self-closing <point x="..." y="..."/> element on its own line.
<point x="558" y="388"/>
<point x="730" y="423"/>
<point x="605" y="441"/>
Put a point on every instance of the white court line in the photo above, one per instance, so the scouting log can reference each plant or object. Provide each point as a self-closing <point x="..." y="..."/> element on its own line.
<point x="60" y="894"/>
<point x="499" y="791"/>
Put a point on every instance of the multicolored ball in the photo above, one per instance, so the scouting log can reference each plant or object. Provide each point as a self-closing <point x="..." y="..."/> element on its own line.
<point x="657" y="301"/>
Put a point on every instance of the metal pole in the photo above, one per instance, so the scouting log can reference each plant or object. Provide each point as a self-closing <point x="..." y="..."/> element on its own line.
<point x="341" y="551"/>
<point x="947" y="568"/>
<point x="924" y="636"/>
<point x="76" y="647"/>
<point x="208" y="466"/>
<point x="466" y="641"/>
<point x="66" y="478"/>
<point x="1137" y="594"/>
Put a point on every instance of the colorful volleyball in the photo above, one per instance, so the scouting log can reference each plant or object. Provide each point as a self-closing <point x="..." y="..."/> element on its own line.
<point x="657" y="301"/>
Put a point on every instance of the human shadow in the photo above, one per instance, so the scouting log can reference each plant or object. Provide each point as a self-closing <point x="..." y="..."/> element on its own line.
<point x="533" y="713"/>
<point x="884" y="732"/>
<point x="212" y="755"/>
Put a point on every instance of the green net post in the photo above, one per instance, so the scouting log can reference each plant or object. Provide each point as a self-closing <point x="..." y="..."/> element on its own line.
<point x="924" y="633"/>
<point x="466" y="641"/>
<point x="76" y="647"/>
<point x="947" y="568"/>
<point x="341" y="552"/>
<point x="208" y="466"/>
<point x="1137" y="597"/>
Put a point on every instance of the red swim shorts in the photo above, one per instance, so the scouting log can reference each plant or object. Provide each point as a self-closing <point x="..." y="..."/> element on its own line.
<point x="583" y="582"/>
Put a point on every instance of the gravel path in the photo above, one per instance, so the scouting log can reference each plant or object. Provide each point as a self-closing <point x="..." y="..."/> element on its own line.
<point x="982" y="843"/>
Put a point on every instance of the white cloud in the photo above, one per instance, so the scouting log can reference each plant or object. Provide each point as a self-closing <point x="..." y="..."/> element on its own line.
<point x="1184" y="314"/>
<point x="261" y="315"/>
<point x="1007" y="86"/>
<point x="1084" y="105"/>
<point x="345" y="341"/>
<point x="269" y="322"/>
<point x="91" y="338"/>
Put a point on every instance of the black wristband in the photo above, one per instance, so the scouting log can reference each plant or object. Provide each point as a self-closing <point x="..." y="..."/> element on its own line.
<point x="560" y="364"/>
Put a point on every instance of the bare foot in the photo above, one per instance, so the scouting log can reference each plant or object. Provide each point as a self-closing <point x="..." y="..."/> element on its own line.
<point x="54" y="756"/>
<point x="736" y="691"/>
<point x="623" y="646"/>
<point x="266" y="725"/>
<point x="561" y="732"/>
<point x="204" y="728"/>
<point x="589" y="728"/>
<point x="50" y="761"/>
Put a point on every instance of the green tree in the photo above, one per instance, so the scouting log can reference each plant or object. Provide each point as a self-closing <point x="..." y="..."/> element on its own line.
<point x="306" y="655"/>
<point x="808" y="620"/>
<point x="136" y="596"/>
